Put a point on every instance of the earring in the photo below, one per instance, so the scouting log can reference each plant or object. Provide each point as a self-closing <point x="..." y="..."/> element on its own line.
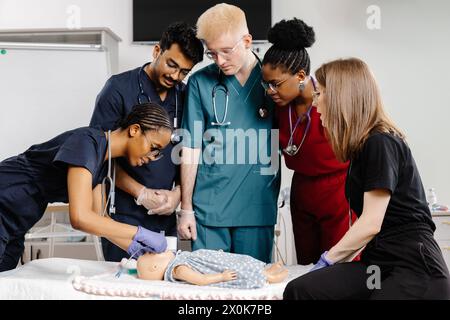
<point x="301" y="86"/>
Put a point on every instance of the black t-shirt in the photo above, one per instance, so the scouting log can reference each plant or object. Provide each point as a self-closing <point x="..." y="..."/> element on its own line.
<point x="39" y="175"/>
<point x="386" y="162"/>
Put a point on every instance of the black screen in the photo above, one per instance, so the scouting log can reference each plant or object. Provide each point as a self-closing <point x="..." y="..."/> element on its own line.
<point x="151" y="17"/>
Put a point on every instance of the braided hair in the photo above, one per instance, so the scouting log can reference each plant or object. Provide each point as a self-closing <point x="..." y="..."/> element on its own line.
<point x="289" y="42"/>
<point x="150" y="116"/>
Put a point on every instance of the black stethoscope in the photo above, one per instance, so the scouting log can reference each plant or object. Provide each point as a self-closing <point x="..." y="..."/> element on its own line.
<point x="174" y="138"/>
<point x="263" y="112"/>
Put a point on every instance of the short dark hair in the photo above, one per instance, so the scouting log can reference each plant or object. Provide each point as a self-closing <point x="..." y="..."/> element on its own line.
<point x="185" y="36"/>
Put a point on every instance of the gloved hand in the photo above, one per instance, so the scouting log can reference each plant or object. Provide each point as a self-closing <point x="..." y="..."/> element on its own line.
<point x="147" y="241"/>
<point x="173" y="200"/>
<point x="151" y="199"/>
<point x="186" y="225"/>
<point x="322" y="263"/>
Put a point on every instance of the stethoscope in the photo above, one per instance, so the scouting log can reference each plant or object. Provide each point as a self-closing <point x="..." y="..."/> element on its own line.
<point x="111" y="180"/>
<point x="174" y="138"/>
<point x="291" y="149"/>
<point x="263" y="112"/>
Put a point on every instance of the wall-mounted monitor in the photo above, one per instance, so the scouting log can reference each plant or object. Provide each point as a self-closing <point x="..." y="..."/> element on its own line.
<point x="151" y="17"/>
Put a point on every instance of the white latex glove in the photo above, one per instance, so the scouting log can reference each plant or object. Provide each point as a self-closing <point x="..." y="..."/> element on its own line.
<point x="186" y="225"/>
<point x="173" y="200"/>
<point x="150" y="199"/>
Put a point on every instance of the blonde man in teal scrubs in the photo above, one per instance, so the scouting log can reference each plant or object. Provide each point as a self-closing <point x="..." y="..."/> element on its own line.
<point x="229" y="173"/>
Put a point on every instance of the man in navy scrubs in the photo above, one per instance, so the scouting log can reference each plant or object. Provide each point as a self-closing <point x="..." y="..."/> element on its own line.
<point x="148" y="195"/>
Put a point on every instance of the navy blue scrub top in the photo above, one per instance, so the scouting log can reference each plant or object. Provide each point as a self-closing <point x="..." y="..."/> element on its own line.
<point x="31" y="180"/>
<point x="114" y="103"/>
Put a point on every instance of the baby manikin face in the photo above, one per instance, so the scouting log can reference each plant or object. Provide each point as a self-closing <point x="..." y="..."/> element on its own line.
<point x="151" y="266"/>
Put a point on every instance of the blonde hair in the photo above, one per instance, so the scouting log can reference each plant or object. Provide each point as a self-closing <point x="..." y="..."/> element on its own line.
<point x="354" y="108"/>
<point x="221" y="19"/>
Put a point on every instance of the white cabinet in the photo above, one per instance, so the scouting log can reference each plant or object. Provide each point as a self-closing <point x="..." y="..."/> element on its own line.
<point x="442" y="233"/>
<point x="53" y="236"/>
<point x="84" y="250"/>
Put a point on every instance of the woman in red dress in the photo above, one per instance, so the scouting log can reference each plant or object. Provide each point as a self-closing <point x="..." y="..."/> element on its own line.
<point x="320" y="212"/>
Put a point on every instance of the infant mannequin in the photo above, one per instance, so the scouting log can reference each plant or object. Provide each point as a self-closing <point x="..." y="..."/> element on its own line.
<point x="210" y="267"/>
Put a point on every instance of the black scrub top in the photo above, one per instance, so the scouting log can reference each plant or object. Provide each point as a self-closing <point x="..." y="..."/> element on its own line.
<point x="31" y="180"/>
<point x="120" y="93"/>
<point x="386" y="162"/>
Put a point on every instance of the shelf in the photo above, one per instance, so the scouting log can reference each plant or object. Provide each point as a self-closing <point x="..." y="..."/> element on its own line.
<point x="74" y="36"/>
<point x="83" y="39"/>
<point x="47" y="243"/>
<point x="440" y="213"/>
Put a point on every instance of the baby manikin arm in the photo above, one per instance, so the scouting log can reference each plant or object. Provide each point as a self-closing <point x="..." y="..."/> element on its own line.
<point x="364" y="229"/>
<point x="185" y="273"/>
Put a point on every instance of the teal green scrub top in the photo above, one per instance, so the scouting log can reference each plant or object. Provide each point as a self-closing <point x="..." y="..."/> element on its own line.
<point x="230" y="190"/>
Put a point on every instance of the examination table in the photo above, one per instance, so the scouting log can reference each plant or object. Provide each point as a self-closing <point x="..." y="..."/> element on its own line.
<point x="58" y="278"/>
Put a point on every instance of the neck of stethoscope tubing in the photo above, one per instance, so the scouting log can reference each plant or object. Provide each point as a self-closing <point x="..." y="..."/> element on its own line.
<point x="257" y="58"/>
<point x="142" y="92"/>
<point x="215" y="109"/>
<point x="111" y="177"/>
<point x="292" y="132"/>
<point x="222" y="86"/>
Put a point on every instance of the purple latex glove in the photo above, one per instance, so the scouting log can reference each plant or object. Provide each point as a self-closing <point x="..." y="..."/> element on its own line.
<point x="322" y="263"/>
<point x="147" y="241"/>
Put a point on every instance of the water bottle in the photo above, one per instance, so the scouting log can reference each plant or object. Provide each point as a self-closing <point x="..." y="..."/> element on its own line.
<point x="431" y="198"/>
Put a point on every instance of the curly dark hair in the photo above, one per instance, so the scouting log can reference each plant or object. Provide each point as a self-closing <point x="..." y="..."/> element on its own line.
<point x="185" y="36"/>
<point x="289" y="39"/>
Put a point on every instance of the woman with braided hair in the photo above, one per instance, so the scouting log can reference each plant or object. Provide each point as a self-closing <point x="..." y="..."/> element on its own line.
<point x="70" y="168"/>
<point x="319" y="209"/>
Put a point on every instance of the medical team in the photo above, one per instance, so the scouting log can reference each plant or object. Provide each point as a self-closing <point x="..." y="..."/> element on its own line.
<point x="349" y="158"/>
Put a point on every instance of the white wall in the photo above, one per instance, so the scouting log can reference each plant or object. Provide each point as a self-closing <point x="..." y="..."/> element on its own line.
<point x="115" y="14"/>
<point x="409" y="56"/>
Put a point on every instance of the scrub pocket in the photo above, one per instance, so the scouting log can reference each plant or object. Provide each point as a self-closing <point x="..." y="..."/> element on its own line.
<point x="211" y="181"/>
<point x="262" y="188"/>
<point x="432" y="259"/>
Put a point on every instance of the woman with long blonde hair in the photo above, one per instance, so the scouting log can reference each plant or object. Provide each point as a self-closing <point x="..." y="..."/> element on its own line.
<point x="384" y="189"/>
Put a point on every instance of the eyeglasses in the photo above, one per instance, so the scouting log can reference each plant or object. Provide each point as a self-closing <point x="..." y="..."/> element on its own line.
<point x="225" y="53"/>
<point x="176" y="69"/>
<point x="155" y="153"/>
<point x="274" y="86"/>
